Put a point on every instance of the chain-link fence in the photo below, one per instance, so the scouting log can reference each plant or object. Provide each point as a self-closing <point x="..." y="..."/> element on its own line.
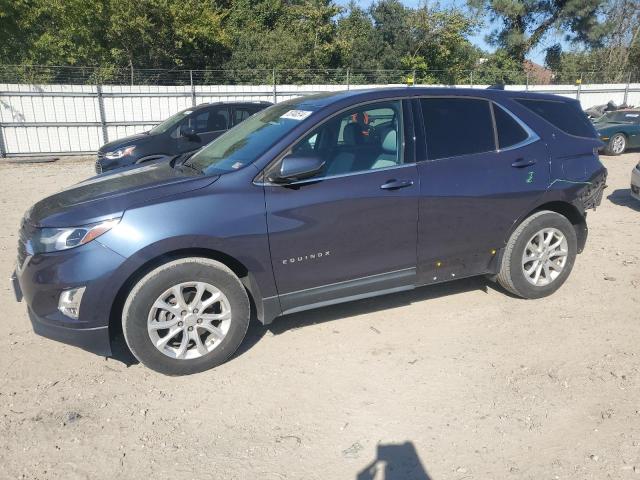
<point x="483" y="74"/>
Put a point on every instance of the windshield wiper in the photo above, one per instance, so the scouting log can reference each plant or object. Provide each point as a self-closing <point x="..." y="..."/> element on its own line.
<point x="189" y="166"/>
<point x="180" y="161"/>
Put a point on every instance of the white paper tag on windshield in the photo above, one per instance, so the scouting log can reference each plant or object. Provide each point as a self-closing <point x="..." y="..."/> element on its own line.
<point x="296" y="114"/>
<point x="633" y="115"/>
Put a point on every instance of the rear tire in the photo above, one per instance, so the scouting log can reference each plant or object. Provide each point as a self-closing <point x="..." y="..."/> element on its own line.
<point x="186" y="316"/>
<point x="617" y="144"/>
<point x="539" y="255"/>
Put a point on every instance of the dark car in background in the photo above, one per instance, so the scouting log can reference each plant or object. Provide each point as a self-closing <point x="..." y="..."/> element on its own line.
<point x="186" y="131"/>
<point x="619" y="130"/>
<point x="314" y="201"/>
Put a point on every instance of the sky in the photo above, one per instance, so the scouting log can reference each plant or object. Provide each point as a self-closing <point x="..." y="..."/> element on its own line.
<point x="478" y="39"/>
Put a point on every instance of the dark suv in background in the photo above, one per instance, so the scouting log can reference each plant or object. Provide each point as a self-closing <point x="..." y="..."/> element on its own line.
<point x="183" y="132"/>
<point x="313" y="201"/>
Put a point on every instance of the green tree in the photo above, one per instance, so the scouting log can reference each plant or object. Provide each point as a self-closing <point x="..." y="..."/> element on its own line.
<point x="522" y="25"/>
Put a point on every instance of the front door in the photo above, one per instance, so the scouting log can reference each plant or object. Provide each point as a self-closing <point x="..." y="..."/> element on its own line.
<point x="476" y="181"/>
<point x="207" y="123"/>
<point x="351" y="230"/>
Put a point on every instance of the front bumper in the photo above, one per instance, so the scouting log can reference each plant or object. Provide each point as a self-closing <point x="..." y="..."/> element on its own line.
<point x="95" y="340"/>
<point x="635" y="183"/>
<point x="42" y="278"/>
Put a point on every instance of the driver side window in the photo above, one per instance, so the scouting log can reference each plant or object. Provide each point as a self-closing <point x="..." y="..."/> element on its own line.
<point x="366" y="138"/>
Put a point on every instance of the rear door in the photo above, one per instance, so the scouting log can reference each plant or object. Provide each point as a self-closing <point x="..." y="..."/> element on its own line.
<point x="482" y="169"/>
<point x="352" y="228"/>
<point x="241" y="113"/>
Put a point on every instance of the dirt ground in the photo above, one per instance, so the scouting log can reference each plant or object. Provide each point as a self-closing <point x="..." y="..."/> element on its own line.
<point x="457" y="381"/>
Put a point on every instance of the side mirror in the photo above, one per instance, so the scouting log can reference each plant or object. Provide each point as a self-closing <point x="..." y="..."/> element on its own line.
<point x="293" y="168"/>
<point x="187" y="131"/>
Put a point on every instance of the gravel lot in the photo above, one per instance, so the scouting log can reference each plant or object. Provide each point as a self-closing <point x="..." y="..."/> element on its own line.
<point x="455" y="381"/>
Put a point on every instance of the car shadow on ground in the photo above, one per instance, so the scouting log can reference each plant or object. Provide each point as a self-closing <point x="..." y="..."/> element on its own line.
<point x="362" y="307"/>
<point x="395" y="462"/>
<point x="121" y="353"/>
<point x="622" y="197"/>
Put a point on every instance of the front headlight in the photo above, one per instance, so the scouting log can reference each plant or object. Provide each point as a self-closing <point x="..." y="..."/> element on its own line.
<point x="121" y="152"/>
<point x="55" y="239"/>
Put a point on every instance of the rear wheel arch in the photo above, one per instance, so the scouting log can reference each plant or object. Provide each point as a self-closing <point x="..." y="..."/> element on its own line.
<point x="237" y="267"/>
<point x="566" y="209"/>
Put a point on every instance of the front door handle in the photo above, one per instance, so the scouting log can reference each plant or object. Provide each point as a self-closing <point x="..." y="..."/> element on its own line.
<point x="396" y="184"/>
<point x="523" y="162"/>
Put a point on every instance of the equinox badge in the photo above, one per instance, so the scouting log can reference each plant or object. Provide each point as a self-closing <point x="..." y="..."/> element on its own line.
<point x="311" y="256"/>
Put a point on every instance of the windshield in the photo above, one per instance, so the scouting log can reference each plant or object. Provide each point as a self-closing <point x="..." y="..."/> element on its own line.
<point x="243" y="144"/>
<point x="170" y="122"/>
<point x="626" y="117"/>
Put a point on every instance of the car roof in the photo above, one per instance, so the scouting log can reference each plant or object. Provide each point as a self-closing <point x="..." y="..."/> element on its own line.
<point x="326" y="98"/>
<point x="229" y="104"/>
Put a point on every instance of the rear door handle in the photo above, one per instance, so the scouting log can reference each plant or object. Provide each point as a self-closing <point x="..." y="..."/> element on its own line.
<point x="396" y="184"/>
<point x="523" y="162"/>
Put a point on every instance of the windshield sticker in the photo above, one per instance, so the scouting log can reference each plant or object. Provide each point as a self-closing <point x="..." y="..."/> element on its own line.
<point x="632" y="115"/>
<point x="296" y="114"/>
<point x="187" y="112"/>
<point x="237" y="165"/>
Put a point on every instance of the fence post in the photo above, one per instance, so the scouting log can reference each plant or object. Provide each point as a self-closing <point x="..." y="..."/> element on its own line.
<point x="103" y="117"/>
<point x="626" y="93"/>
<point x="413" y="83"/>
<point x="275" y="93"/>
<point x="579" y="88"/>
<point x="471" y="79"/>
<point x="527" y="82"/>
<point x="3" y="148"/>
<point x="348" y="79"/>
<point x="131" y="64"/>
<point x="193" y="89"/>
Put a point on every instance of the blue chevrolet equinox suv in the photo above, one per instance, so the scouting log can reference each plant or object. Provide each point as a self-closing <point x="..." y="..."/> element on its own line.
<point x="310" y="202"/>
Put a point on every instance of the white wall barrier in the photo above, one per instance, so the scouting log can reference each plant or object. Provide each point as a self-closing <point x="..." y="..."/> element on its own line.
<point x="74" y="119"/>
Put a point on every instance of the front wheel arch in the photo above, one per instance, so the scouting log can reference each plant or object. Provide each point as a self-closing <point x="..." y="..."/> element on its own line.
<point x="253" y="291"/>
<point x="608" y="150"/>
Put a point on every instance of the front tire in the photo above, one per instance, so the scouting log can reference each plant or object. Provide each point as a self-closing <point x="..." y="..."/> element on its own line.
<point x="539" y="255"/>
<point x="186" y="316"/>
<point x="617" y="144"/>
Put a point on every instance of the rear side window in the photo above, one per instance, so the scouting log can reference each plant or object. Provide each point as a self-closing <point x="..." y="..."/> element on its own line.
<point x="510" y="133"/>
<point x="457" y="126"/>
<point x="241" y="114"/>
<point x="566" y="116"/>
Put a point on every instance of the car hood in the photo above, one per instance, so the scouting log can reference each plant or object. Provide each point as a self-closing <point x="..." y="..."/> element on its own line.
<point x="137" y="139"/>
<point x="108" y="196"/>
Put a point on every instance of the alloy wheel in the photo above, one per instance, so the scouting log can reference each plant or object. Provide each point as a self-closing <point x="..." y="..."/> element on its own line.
<point x="545" y="256"/>
<point x="618" y="144"/>
<point x="189" y="320"/>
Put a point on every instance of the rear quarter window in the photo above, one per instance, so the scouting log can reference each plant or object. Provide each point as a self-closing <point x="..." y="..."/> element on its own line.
<point x="565" y="116"/>
<point x="510" y="133"/>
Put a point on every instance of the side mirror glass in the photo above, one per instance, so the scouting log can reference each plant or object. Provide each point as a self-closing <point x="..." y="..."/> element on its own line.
<point x="293" y="168"/>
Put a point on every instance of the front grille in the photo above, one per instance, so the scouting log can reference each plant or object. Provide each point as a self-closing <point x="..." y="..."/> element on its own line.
<point x="98" y="167"/>
<point x="24" y="235"/>
<point x="635" y="189"/>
